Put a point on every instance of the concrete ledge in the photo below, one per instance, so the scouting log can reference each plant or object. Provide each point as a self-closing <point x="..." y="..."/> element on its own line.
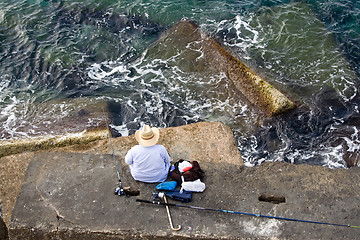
<point x="202" y="141"/>
<point x="49" y="142"/>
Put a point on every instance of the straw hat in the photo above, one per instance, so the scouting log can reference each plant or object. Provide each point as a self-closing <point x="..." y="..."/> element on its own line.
<point x="148" y="136"/>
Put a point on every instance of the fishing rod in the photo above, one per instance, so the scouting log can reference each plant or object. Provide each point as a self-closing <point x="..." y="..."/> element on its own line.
<point x="243" y="213"/>
<point x="0" y="210"/>
<point x="120" y="190"/>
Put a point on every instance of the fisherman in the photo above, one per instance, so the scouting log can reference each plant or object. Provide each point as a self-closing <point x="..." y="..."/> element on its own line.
<point x="149" y="162"/>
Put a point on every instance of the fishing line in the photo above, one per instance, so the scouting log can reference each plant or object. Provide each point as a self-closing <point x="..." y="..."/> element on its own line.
<point x="243" y="213"/>
<point x="120" y="190"/>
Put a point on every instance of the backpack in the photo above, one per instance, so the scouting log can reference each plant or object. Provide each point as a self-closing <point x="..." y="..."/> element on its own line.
<point x="191" y="175"/>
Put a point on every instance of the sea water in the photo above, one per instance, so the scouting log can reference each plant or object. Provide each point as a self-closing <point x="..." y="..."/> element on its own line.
<point x="60" y="57"/>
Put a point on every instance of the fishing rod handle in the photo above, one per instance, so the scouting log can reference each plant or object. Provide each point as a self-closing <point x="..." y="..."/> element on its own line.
<point x="146" y="201"/>
<point x="158" y="202"/>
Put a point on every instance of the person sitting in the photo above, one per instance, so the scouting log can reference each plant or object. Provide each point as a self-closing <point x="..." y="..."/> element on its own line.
<point x="149" y="162"/>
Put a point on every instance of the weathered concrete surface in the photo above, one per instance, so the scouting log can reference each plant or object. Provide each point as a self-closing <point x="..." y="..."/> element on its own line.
<point x="201" y="53"/>
<point x="205" y="142"/>
<point x="202" y="141"/>
<point x="70" y="196"/>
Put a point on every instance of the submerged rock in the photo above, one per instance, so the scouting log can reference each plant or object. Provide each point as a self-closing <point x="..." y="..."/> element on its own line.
<point x="194" y="51"/>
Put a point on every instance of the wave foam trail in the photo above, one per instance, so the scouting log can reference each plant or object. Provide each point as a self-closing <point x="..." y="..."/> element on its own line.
<point x="238" y="34"/>
<point x="8" y="112"/>
<point x="331" y="157"/>
<point x="98" y="73"/>
<point x="353" y="143"/>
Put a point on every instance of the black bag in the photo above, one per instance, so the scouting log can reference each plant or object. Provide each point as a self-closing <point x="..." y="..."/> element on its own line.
<point x="192" y="174"/>
<point x="185" y="196"/>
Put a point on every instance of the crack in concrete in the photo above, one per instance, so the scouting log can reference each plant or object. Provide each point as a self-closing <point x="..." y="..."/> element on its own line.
<point x="58" y="215"/>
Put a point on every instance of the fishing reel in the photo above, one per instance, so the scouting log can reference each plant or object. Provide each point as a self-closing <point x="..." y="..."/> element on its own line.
<point x="119" y="191"/>
<point x="126" y="191"/>
<point x="158" y="195"/>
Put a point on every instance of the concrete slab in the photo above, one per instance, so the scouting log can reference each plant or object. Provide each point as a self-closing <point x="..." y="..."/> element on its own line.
<point x="70" y="196"/>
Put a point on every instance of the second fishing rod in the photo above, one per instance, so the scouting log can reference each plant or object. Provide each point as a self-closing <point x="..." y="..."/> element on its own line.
<point x="245" y="213"/>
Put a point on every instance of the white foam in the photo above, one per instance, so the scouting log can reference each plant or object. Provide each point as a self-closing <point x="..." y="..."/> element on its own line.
<point x="96" y="72"/>
<point x="9" y="114"/>
<point x="123" y="130"/>
<point x="353" y="144"/>
<point x="330" y="156"/>
<point x="246" y="35"/>
<point x="2" y="16"/>
<point x="250" y="155"/>
<point x="4" y="85"/>
<point x="70" y="135"/>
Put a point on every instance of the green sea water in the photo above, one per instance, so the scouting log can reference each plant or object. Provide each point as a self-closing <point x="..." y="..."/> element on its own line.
<point x="58" y="58"/>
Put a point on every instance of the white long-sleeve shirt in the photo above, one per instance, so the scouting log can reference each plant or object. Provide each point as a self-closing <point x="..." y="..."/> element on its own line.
<point x="148" y="164"/>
